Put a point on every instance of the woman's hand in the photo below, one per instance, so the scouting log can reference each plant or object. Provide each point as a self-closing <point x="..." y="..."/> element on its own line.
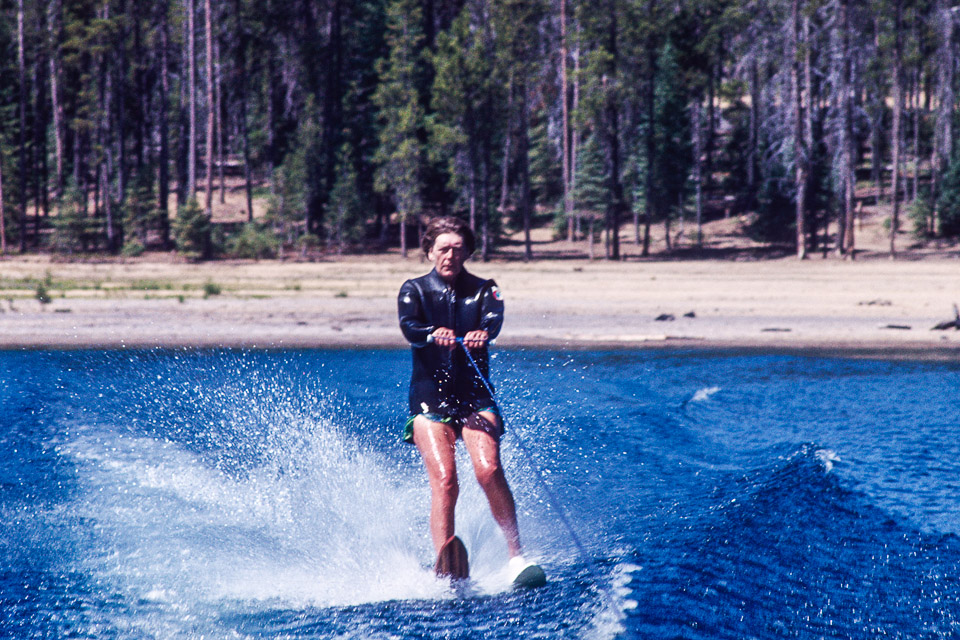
<point x="476" y="339"/>
<point x="444" y="337"/>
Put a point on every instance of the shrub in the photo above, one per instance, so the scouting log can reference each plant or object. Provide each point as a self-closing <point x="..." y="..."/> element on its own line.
<point x="133" y="248"/>
<point x="920" y="213"/>
<point x="253" y="242"/>
<point x="949" y="201"/>
<point x="42" y="295"/>
<point x="192" y="231"/>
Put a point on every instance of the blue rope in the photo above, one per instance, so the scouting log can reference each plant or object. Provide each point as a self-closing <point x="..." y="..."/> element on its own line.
<point x="551" y="497"/>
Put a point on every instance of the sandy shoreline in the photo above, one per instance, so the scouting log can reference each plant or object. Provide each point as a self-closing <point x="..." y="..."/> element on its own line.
<point x="873" y="307"/>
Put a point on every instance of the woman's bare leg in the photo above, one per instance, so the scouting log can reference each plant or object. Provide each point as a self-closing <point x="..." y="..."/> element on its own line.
<point x="481" y="437"/>
<point x="436" y="442"/>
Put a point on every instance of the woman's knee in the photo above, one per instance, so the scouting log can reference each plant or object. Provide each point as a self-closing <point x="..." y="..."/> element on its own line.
<point x="444" y="480"/>
<point x="489" y="472"/>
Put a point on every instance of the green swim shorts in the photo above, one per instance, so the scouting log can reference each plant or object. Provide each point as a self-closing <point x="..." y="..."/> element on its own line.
<point x="454" y="420"/>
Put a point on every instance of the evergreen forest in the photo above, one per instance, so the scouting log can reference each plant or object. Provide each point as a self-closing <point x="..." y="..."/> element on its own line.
<point x="338" y="126"/>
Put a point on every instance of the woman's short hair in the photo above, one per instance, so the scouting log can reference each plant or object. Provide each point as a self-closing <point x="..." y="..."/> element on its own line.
<point x="447" y="224"/>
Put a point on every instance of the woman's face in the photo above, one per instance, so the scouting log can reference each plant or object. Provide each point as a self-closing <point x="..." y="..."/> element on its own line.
<point x="448" y="255"/>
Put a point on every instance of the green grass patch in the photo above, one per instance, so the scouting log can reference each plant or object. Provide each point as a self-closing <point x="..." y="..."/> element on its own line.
<point x="149" y="285"/>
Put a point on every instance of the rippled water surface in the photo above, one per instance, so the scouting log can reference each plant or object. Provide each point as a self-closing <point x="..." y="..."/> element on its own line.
<point x="230" y="494"/>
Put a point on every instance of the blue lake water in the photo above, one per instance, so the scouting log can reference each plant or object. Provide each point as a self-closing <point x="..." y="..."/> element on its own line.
<point x="234" y="494"/>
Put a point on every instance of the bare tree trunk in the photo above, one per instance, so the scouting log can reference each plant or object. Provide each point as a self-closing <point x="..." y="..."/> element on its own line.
<point x="523" y="158"/>
<point x="895" y="134"/>
<point x="649" y="108"/>
<point x="575" y="138"/>
<point x="221" y="130"/>
<point x="916" y="132"/>
<point x="943" y="136"/>
<point x="845" y="96"/>
<point x="810" y="103"/>
<point x="164" y="161"/>
<point x="118" y="100"/>
<point x="39" y="167"/>
<point x="191" y="103"/>
<point x="53" y="26"/>
<point x="876" y="125"/>
<point x="22" y="70"/>
<point x="241" y="71"/>
<point x="696" y="125"/>
<point x="565" y="129"/>
<point x="508" y="138"/>
<point x="3" y="213"/>
<point x="754" y="138"/>
<point x="106" y="159"/>
<point x="799" y="139"/>
<point x="211" y="124"/>
<point x="612" y="131"/>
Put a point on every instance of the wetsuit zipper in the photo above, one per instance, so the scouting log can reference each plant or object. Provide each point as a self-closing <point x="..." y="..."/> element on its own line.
<point x="452" y="301"/>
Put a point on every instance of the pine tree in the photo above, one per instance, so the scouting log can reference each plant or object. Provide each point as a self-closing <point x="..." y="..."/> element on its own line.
<point x="344" y="221"/>
<point x="400" y="155"/>
<point x="140" y="213"/>
<point x="672" y="163"/>
<point x="590" y="194"/>
<point x="464" y="126"/>
<point x="192" y="231"/>
<point x="293" y="187"/>
<point x="948" y="204"/>
<point x="546" y="164"/>
<point x="518" y="27"/>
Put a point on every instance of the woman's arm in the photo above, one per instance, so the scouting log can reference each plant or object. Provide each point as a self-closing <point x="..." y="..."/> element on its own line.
<point x="413" y="322"/>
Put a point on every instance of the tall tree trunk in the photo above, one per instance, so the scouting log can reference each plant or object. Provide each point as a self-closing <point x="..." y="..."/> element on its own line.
<point x="163" y="188"/>
<point x="40" y="168"/>
<point x="3" y="213"/>
<point x="811" y="101"/>
<point x="507" y="140"/>
<point x="876" y="125"/>
<point x="943" y="137"/>
<point x="333" y="99"/>
<point x="841" y="60"/>
<point x="696" y="126"/>
<point x="191" y="103"/>
<point x="221" y="130"/>
<point x="53" y="27"/>
<point x="144" y="93"/>
<point x="523" y="168"/>
<point x="22" y="70"/>
<point x="105" y="164"/>
<point x="565" y="128"/>
<point x="916" y="133"/>
<point x="575" y="138"/>
<point x="710" y="141"/>
<point x="799" y="139"/>
<point x="211" y="124"/>
<point x="895" y="133"/>
<point x="612" y="134"/>
<point x="118" y="99"/>
<point x="241" y="78"/>
<point x="649" y="142"/>
<point x="754" y="134"/>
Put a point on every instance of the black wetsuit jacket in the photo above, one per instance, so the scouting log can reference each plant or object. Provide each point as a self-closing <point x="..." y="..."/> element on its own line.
<point x="443" y="380"/>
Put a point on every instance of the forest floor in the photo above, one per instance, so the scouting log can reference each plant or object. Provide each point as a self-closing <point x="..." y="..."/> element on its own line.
<point x="733" y="292"/>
